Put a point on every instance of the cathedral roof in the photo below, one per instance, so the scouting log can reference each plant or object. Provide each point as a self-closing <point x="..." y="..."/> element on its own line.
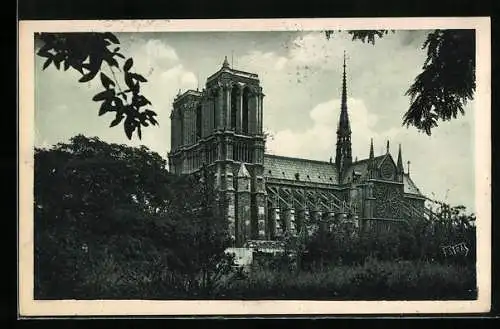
<point x="288" y="168"/>
<point x="229" y="69"/>
<point x="409" y="186"/>
<point x="361" y="166"/>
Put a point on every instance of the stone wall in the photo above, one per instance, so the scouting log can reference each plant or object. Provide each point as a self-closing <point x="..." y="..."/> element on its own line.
<point x="388" y="200"/>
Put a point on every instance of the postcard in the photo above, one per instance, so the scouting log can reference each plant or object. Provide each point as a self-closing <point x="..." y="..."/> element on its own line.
<point x="254" y="167"/>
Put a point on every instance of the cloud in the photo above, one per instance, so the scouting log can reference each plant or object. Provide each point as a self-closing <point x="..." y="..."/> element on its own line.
<point x="447" y="177"/>
<point x="178" y="77"/>
<point x="280" y="63"/>
<point x="157" y="49"/>
<point x="318" y="141"/>
<point x="156" y="54"/>
<point x="313" y="49"/>
<point x="154" y="58"/>
<point x="300" y="73"/>
<point x="188" y="80"/>
<point x="309" y="67"/>
<point x="262" y="62"/>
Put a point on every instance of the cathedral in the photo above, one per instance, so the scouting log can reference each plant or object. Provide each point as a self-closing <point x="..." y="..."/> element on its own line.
<point x="269" y="196"/>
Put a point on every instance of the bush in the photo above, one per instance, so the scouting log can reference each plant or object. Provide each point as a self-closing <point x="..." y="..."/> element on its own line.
<point x="111" y="222"/>
<point x="372" y="280"/>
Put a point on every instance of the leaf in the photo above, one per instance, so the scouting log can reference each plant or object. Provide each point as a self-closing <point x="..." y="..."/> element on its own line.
<point x="138" y="77"/>
<point x="139" y="133"/>
<point x="104" y="95"/>
<point x="47" y="63"/>
<point x="106" y="81"/>
<point x="128" y="64"/>
<point x="117" y="120"/>
<point x="87" y="77"/>
<point x="135" y="88"/>
<point x="44" y="51"/>
<point x="66" y="65"/>
<point x="150" y="113"/>
<point x="128" y="127"/>
<point x="123" y="94"/>
<point x="110" y="36"/>
<point x="118" y="102"/>
<point x="112" y="62"/>
<point x="140" y="101"/>
<point x="129" y="81"/>
<point x="105" y="107"/>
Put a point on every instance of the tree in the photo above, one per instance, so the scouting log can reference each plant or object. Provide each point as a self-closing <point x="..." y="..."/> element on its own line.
<point x="111" y="222"/>
<point x="97" y="215"/>
<point x="198" y="259"/>
<point x="88" y="53"/>
<point x="447" y="81"/>
<point x="417" y="239"/>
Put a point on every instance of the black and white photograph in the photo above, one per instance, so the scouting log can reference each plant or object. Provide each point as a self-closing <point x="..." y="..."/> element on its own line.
<point x="255" y="167"/>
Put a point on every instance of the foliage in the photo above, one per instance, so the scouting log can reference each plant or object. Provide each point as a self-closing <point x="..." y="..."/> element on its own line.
<point x="416" y="240"/>
<point x="200" y="238"/>
<point x="370" y="280"/>
<point x="402" y="261"/>
<point x="86" y="53"/>
<point x="447" y="81"/>
<point x="111" y="222"/>
<point x="362" y="35"/>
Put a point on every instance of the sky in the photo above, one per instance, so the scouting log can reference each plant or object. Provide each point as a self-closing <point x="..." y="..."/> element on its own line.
<point x="301" y="75"/>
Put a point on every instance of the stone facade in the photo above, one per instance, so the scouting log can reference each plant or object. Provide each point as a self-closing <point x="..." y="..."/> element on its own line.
<point x="269" y="196"/>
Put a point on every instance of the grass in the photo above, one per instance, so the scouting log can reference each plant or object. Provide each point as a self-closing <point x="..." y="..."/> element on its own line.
<point x="374" y="280"/>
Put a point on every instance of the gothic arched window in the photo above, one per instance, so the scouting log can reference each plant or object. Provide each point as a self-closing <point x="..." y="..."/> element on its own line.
<point x="215" y="104"/>
<point x="181" y="122"/>
<point x="234" y="106"/>
<point x="246" y="96"/>
<point x="198" y="122"/>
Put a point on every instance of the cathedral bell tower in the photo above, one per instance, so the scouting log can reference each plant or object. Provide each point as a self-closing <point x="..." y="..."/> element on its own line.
<point x="343" y="157"/>
<point x="221" y="127"/>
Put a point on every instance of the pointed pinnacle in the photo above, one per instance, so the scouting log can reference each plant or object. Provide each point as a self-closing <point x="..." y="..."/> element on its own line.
<point x="400" y="159"/>
<point x="344" y="117"/>
<point x="225" y="63"/>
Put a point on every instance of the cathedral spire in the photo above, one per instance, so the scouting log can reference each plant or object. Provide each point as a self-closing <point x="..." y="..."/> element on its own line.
<point x="343" y="158"/>
<point x="400" y="161"/>
<point x="344" y="124"/>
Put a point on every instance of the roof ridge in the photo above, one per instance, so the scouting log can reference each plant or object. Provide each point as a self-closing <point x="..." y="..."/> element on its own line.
<point x="301" y="159"/>
<point x="368" y="159"/>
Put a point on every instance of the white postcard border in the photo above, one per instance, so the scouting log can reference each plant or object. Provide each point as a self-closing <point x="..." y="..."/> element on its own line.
<point x="30" y="307"/>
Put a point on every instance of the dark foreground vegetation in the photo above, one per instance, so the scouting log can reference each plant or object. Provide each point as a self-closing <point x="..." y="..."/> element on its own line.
<point x="112" y="223"/>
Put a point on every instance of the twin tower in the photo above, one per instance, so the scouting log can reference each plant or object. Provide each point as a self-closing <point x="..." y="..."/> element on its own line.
<point x="221" y="127"/>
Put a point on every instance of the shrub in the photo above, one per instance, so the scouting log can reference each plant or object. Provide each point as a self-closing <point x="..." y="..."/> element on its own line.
<point x="372" y="280"/>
